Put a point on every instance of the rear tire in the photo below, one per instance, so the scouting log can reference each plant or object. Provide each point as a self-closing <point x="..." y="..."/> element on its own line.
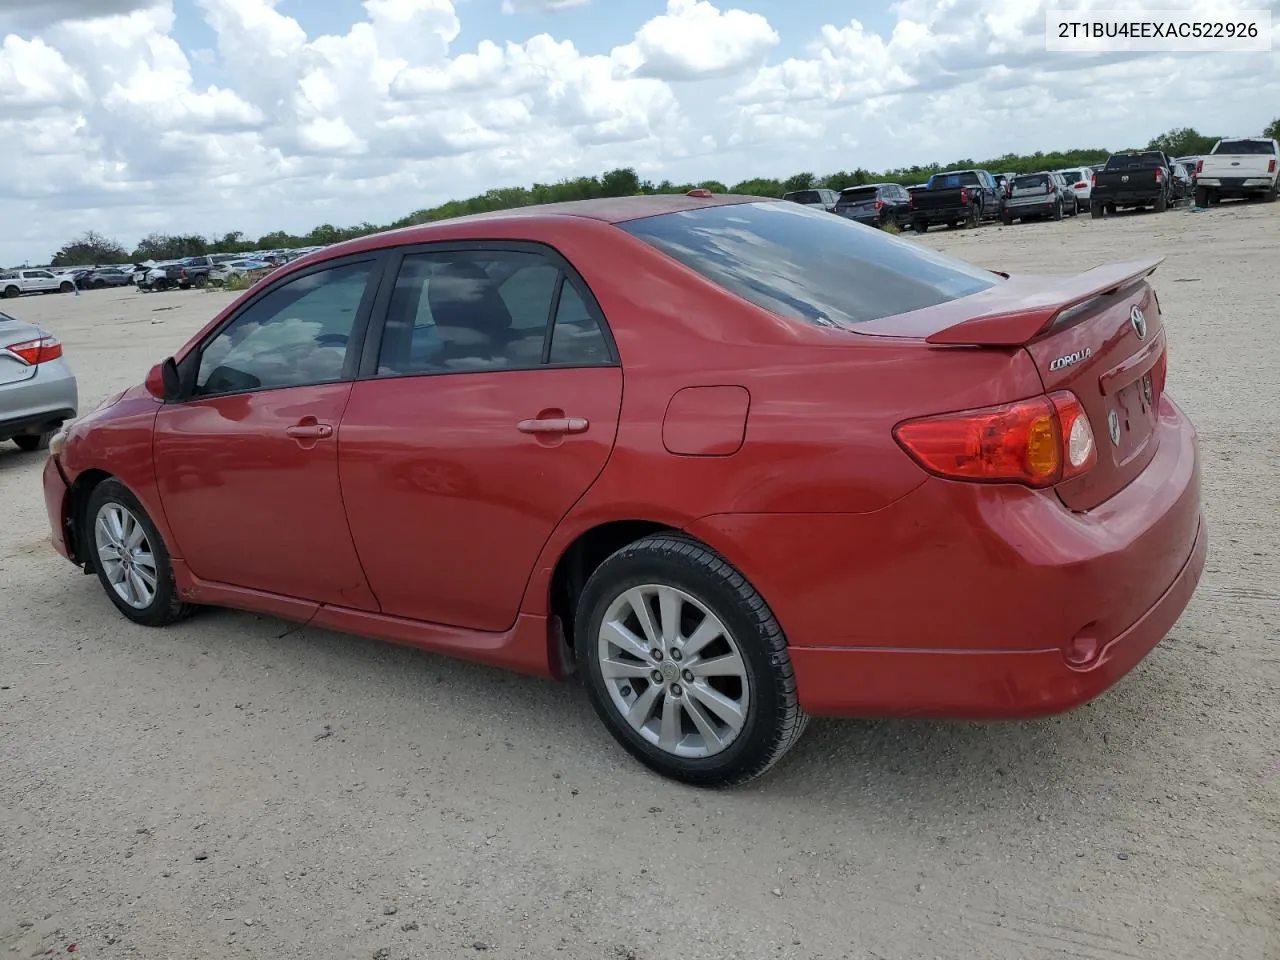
<point x="1162" y="203"/>
<point x="920" y="226"/>
<point x="1006" y="219"/>
<point x="716" y="713"/>
<point x="1057" y="211"/>
<point x="30" y="443"/>
<point x="66" y="286"/>
<point x="1202" y="197"/>
<point x="131" y="560"/>
<point x="201" y="280"/>
<point x="12" y="292"/>
<point x="1270" y="195"/>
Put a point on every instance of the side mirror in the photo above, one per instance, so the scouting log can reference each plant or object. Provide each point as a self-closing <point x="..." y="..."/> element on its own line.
<point x="163" y="381"/>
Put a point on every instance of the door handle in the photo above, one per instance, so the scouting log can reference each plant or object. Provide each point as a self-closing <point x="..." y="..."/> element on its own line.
<point x="557" y="425"/>
<point x="309" y="431"/>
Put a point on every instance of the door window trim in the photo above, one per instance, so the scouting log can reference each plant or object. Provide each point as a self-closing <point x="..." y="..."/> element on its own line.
<point x="189" y="366"/>
<point x="368" y="368"/>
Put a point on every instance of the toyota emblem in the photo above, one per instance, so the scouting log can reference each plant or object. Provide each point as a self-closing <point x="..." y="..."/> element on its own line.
<point x="1139" y="321"/>
<point x="1113" y="427"/>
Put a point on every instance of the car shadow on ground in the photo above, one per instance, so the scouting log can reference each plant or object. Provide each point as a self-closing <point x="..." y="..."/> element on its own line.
<point x="846" y="766"/>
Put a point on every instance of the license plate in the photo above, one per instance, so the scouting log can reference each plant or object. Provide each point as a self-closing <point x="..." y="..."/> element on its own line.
<point x="1135" y="406"/>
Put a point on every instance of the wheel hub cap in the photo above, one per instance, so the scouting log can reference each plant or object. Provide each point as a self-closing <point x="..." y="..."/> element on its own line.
<point x="125" y="555"/>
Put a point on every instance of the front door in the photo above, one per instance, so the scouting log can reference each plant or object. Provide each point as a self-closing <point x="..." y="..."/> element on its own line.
<point x="248" y="463"/>
<point x="483" y="424"/>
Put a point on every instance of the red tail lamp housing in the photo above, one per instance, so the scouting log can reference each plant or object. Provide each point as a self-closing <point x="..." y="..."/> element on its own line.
<point x="1036" y="442"/>
<point x="35" y="352"/>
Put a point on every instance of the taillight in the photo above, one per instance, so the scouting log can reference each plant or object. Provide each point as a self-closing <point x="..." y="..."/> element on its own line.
<point x="879" y="204"/>
<point x="1271" y="165"/>
<point x="1081" y="184"/>
<point x="1093" y="181"/>
<point x="1200" y="166"/>
<point x="184" y="273"/>
<point x="911" y="201"/>
<point x="1053" y="187"/>
<point x="35" y="352"/>
<point x="1159" y="174"/>
<point x="1036" y="442"/>
<point x="964" y="195"/>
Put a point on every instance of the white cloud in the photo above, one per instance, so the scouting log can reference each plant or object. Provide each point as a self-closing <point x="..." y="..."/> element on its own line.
<point x="540" y="6"/>
<point x="106" y="126"/>
<point x="694" y="40"/>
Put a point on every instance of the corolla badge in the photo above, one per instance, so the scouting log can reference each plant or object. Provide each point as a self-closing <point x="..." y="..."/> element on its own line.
<point x="1071" y="359"/>
<point x="1113" y="427"/>
<point x="1139" y="321"/>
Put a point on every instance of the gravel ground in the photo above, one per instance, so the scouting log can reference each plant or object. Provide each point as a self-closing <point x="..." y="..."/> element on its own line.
<point x="236" y="786"/>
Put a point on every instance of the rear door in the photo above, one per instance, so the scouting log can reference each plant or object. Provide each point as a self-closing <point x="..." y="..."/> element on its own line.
<point x="488" y="407"/>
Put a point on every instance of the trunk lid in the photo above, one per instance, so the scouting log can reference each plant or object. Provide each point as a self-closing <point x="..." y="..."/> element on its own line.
<point x="1083" y="334"/>
<point x="12" y="369"/>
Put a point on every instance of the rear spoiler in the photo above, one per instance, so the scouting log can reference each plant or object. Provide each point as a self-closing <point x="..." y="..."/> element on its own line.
<point x="1040" y="309"/>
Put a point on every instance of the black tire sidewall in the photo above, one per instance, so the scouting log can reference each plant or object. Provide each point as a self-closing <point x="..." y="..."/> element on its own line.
<point x="631" y="568"/>
<point x="165" y="603"/>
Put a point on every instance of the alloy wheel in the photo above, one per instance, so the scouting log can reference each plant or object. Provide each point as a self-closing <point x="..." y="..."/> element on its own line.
<point x="673" y="671"/>
<point x="126" y="555"/>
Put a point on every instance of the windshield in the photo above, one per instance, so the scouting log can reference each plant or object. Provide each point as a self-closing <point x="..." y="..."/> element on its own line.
<point x="1251" y="147"/>
<point x="946" y="181"/>
<point x="808" y="265"/>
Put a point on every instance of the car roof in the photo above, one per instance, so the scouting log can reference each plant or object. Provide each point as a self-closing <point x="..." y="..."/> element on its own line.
<point x="490" y="225"/>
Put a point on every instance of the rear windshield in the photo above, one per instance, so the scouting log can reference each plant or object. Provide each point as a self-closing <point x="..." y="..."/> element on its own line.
<point x="1133" y="161"/>
<point x="1071" y="176"/>
<point x="804" y="196"/>
<point x="1252" y="147"/>
<point x="809" y="265"/>
<point x="945" y="181"/>
<point x="857" y="194"/>
<point x="1031" y="180"/>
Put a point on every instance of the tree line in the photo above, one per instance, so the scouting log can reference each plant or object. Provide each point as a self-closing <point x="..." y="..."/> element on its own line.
<point x="94" y="248"/>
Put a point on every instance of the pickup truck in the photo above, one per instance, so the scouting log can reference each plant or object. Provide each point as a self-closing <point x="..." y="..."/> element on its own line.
<point x="195" y="270"/>
<point x="14" y="283"/>
<point x="1241" y="168"/>
<point x="1131" y="180"/>
<point x="955" y="197"/>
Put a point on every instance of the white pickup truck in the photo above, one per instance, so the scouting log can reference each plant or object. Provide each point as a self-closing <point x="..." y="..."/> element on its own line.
<point x="1245" y="167"/>
<point x="14" y="283"/>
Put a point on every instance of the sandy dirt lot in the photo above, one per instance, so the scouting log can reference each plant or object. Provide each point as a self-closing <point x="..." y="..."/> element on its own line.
<point x="239" y="787"/>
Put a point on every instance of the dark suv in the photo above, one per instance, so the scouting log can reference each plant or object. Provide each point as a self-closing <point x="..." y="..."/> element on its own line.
<point x="875" y="204"/>
<point x="817" y="197"/>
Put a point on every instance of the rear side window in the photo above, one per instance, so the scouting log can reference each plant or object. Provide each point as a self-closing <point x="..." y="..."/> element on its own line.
<point x="808" y="265"/>
<point x="1250" y="147"/>
<point x="463" y="310"/>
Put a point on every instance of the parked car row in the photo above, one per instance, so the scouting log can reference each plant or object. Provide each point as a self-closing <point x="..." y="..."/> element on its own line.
<point x="1237" y="168"/>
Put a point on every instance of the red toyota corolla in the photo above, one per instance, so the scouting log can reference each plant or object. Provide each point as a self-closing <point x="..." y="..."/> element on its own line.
<point x="739" y="461"/>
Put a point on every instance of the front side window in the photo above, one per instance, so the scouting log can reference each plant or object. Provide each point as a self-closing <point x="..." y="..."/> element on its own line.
<point x="297" y="334"/>
<point x="799" y="263"/>
<point x="456" y="311"/>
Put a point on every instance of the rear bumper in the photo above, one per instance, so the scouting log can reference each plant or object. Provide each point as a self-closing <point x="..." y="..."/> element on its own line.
<point x="40" y="403"/>
<point x="941" y="215"/>
<point x="965" y="600"/>
<point x="1127" y="198"/>
<point x="1038" y="208"/>
<point x="978" y="684"/>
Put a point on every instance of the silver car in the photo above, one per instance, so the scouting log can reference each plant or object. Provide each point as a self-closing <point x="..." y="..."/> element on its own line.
<point x="37" y="388"/>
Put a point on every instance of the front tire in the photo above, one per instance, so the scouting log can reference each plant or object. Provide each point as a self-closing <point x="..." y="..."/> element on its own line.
<point x="685" y="663"/>
<point x="130" y="558"/>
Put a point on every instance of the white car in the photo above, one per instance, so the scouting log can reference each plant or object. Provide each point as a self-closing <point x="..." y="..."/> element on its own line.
<point x="1080" y="180"/>
<point x="1242" y="167"/>
<point x="14" y="283"/>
